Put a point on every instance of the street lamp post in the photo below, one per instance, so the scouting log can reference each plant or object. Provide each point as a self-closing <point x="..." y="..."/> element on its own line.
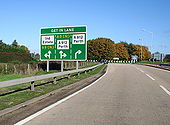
<point x="144" y="30"/>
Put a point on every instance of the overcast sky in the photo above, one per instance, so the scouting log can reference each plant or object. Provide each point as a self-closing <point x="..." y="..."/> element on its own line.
<point x="119" y="20"/>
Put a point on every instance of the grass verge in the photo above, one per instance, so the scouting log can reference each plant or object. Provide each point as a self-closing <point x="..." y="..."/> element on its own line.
<point x="19" y="97"/>
<point x="6" y="77"/>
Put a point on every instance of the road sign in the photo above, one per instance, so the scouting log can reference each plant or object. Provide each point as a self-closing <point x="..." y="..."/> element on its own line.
<point x="63" y="43"/>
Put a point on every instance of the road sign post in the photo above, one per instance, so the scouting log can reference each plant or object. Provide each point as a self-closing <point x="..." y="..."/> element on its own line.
<point x="62" y="66"/>
<point x="63" y="44"/>
<point x="77" y="65"/>
<point x="48" y="65"/>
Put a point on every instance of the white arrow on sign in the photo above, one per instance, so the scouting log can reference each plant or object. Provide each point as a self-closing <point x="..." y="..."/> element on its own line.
<point x="48" y="54"/>
<point x="62" y="54"/>
<point x="76" y="53"/>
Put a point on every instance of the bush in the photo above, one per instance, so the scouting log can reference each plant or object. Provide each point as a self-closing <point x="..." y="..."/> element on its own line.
<point x="33" y="62"/>
<point x="167" y="58"/>
<point x="15" y="57"/>
<point x="15" y="62"/>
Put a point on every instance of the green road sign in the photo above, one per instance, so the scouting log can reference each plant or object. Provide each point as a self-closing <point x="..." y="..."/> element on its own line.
<point x="63" y="43"/>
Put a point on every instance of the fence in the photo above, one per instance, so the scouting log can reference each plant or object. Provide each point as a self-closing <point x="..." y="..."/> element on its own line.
<point x="28" y="69"/>
<point x="42" y="77"/>
<point x="19" y="68"/>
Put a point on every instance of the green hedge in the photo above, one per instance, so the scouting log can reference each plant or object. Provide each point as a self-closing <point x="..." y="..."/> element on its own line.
<point x="6" y="57"/>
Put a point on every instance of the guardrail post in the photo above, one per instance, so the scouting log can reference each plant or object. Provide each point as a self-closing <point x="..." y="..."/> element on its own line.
<point x="69" y="76"/>
<point x="88" y="70"/>
<point x="6" y="68"/>
<point x="78" y="73"/>
<point x="32" y="86"/>
<point x="55" y="80"/>
<point x="85" y="72"/>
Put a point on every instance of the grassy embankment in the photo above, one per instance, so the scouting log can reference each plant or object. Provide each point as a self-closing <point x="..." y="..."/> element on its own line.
<point x="19" y="97"/>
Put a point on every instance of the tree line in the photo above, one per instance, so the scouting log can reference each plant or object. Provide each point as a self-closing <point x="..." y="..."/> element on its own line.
<point x="14" y="47"/>
<point x="14" y="52"/>
<point x="104" y="48"/>
<point x="98" y="49"/>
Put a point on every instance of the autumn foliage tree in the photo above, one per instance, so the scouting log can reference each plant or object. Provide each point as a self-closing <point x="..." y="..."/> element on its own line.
<point x="141" y="51"/>
<point x="103" y="48"/>
<point x="129" y="47"/>
<point x="146" y="54"/>
<point x="14" y="52"/>
<point x="100" y="48"/>
<point x="120" y="51"/>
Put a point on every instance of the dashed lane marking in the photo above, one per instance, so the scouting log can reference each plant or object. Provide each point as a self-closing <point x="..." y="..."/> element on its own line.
<point x="167" y="92"/>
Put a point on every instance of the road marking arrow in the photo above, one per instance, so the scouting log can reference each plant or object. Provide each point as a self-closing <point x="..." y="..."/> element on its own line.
<point x="76" y="53"/>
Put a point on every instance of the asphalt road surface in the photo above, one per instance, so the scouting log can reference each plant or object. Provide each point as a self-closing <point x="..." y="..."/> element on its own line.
<point x="126" y="95"/>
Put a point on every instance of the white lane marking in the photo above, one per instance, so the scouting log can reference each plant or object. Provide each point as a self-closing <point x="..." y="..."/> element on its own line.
<point x="144" y="73"/>
<point x="150" y="76"/>
<point x="55" y="104"/>
<point x="141" y="70"/>
<point x="137" y="68"/>
<point x="165" y="89"/>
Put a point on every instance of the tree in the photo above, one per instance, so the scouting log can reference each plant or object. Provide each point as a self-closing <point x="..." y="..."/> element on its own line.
<point x="14" y="44"/>
<point x="1" y="42"/>
<point x="2" y="46"/>
<point x="146" y="54"/>
<point x="100" y="48"/>
<point x="129" y="47"/>
<point x="142" y="52"/>
<point x="103" y="48"/>
<point x="14" y="52"/>
<point x="24" y="48"/>
<point x="167" y="58"/>
<point x="120" y="51"/>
